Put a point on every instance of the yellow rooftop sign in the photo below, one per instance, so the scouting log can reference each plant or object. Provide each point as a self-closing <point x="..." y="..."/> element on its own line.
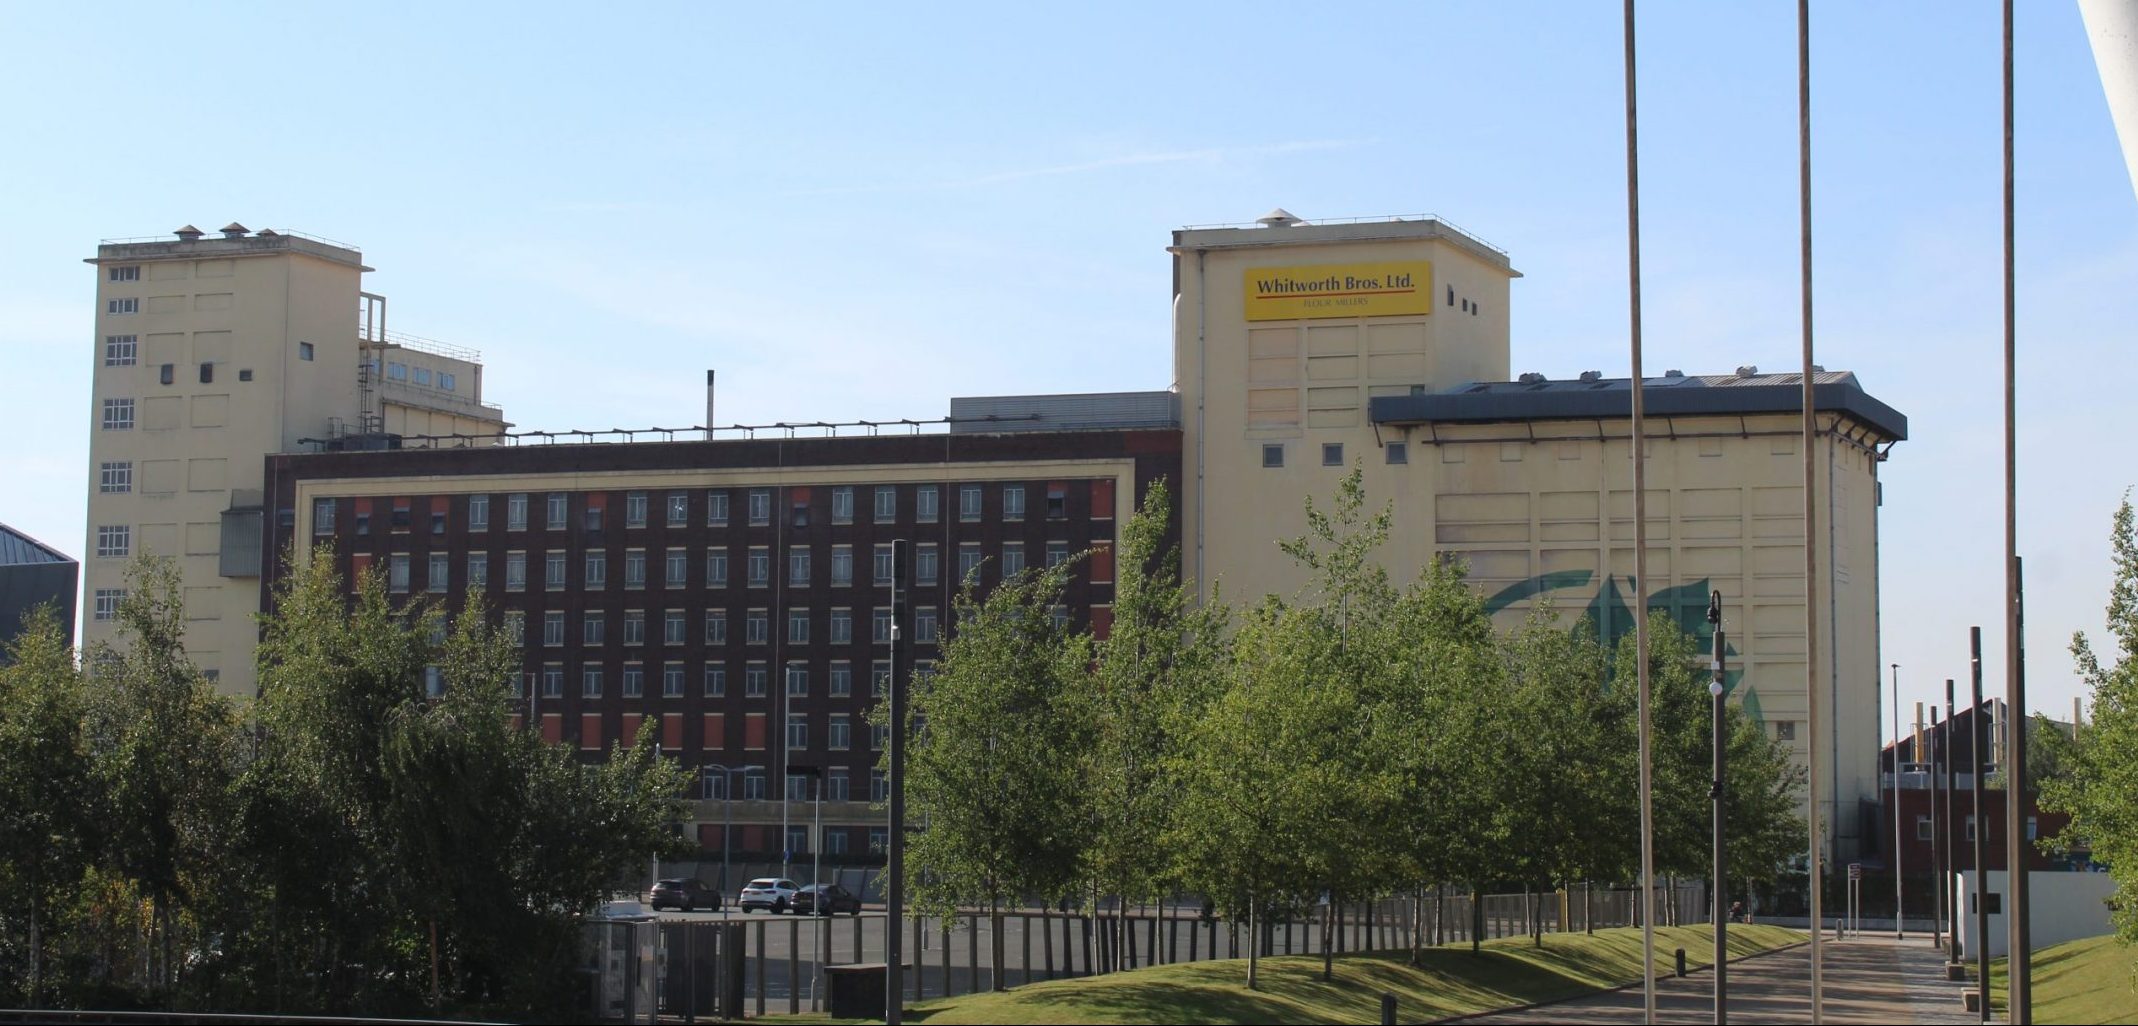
<point x="1382" y="289"/>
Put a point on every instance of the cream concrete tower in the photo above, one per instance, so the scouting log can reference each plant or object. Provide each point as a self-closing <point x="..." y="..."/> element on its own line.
<point x="212" y="352"/>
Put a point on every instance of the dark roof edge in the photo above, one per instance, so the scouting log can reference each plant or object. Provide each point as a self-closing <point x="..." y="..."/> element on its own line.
<point x="1833" y="397"/>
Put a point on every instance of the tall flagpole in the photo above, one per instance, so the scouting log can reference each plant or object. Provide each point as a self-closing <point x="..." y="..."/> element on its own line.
<point x="1812" y="706"/>
<point x="2020" y="1002"/>
<point x="1640" y="530"/>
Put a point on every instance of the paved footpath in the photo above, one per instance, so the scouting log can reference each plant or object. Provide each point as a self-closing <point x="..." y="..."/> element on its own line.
<point x="1868" y="979"/>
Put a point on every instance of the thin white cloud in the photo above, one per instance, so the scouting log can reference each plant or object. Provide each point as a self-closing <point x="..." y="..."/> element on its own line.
<point x="1215" y="154"/>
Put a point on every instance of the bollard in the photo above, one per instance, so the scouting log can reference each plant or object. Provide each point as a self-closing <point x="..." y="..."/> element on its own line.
<point x="1388" y="1010"/>
<point x="1681" y="961"/>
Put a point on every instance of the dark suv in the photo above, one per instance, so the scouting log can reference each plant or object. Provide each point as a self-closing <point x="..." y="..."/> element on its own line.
<point x="827" y="900"/>
<point x="685" y="894"/>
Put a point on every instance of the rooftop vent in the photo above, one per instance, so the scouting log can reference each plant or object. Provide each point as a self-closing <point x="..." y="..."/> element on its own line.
<point x="1816" y="369"/>
<point x="1592" y="375"/>
<point x="267" y="233"/>
<point x="234" y="230"/>
<point x="188" y="234"/>
<point x="1531" y="378"/>
<point x="1673" y="373"/>
<point x="1748" y="370"/>
<point x="1278" y="218"/>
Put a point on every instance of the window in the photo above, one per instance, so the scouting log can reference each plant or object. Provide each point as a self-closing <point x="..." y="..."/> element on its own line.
<point x="716" y="568"/>
<point x="671" y="680"/>
<point x="123" y="306"/>
<point x="634" y="680"/>
<point x="107" y="603"/>
<point x="590" y="681"/>
<point x="753" y="785"/>
<point x="927" y="504"/>
<point x="842" y="627"/>
<point x="925" y="564"/>
<point x="555" y="513"/>
<point x="760" y="506"/>
<point x="835" y="790"/>
<point x="716" y="681"/>
<point x="553" y="570"/>
<point x="635" y="509"/>
<point x="1057" y="553"/>
<point x="423" y="375"/>
<point x="676" y="571"/>
<point x="968" y="562"/>
<point x="1012" y="559"/>
<point x="115" y="542"/>
<point x="716" y="627"/>
<point x="879" y="678"/>
<point x="678" y="509"/>
<point x="552" y="680"/>
<point x="798" y="566"/>
<point x="553" y="628"/>
<point x="1396" y="453"/>
<point x="800" y="517"/>
<point x="834" y="840"/>
<point x="634" y="568"/>
<point x="593" y="627"/>
<point x="118" y="414"/>
<point x="1060" y="616"/>
<point x="438" y="576"/>
<point x="516" y="511"/>
<point x="207" y="373"/>
<point x="322" y="515"/>
<point x="1332" y="454"/>
<point x="673" y="627"/>
<point x="879" y="791"/>
<point x="121" y="350"/>
<point x="842" y="565"/>
<point x="797" y="837"/>
<point x="478" y="571"/>
<point x="433" y="681"/>
<point x="634" y="627"/>
<point x="516" y="626"/>
<point x="755" y="627"/>
<point x="2032" y="827"/>
<point x="797" y="680"/>
<point x="880" y="625"/>
<point x="402" y="518"/>
<point x="115" y="476"/>
<point x="716" y="508"/>
<point x="798" y="626"/>
<point x="886" y="504"/>
<point x="304" y="352"/>
<point x="363" y="516"/>
<point x="879" y="837"/>
<point x="715" y="782"/>
<point x="841" y="735"/>
<point x="842" y="505"/>
<point x="245" y="374"/>
<point x="130" y="272"/>
<point x="397" y="572"/>
<point x="445" y="380"/>
<point x="883" y="561"/>
<point x="969" y="502"/>
<point x="1785" y="730"/>
<point x="478" y="512"/>
<point x="167" y="374"/>
<point x="438" y="522"/>
<point x="760" y="566"/>
<point x="1057" y="501"/>
<point x="1970" y="828"/>
<point x="1922" y="828"/>
<point x="753" y="681"/>
<point x="593" y="514"/>
<point x="879" y="735"/>
<point x="1273" y="454"/>
<point x="841" y="679"/>
<point x="1013" y="502"/>
<point x="924" y="625"/>
<point x="597" y="569"/>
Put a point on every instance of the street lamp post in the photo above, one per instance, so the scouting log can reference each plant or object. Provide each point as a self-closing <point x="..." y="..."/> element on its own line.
<point x="1982" y="829"/>
<point x="1899" y="932"/>
<point x="727" y="823"/>
<point x="895" y="845"/>
<point x="1720" y="917"/>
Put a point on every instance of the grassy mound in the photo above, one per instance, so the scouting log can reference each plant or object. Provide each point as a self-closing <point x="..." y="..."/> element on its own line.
<point x="2081" y="981"/>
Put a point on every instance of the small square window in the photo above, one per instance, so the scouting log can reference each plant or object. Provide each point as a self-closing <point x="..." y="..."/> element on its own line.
<point x="1273" y="455"/>
<point x="1397" y="453"/>
<point x="304" y="351"/>
<point x="1332" y="454"/>
<point x="244" y="374"/>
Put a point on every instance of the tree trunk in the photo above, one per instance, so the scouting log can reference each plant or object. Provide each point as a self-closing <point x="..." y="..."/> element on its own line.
<point x="1477" y="919"/>
<point x="1328" y="949"/>
<point x="994" y="919"/>
<point x="1254" y="951"/>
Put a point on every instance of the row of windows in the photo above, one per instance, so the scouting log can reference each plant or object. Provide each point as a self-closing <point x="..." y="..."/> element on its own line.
<point x="674" y="623"/>
<point x="715" y="787"/>
<point x="549" y="683"/>
<point x="125" y="351"/>
<point x="397" y="371"/>
<point x="675" y="564"/>
<point x="1332" y="454"/>
<point x="676" y="507"/>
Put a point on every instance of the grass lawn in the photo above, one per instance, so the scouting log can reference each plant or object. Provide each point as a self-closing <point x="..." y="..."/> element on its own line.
<point x="1510" y="971"/>
<point x="2081" y="981"/>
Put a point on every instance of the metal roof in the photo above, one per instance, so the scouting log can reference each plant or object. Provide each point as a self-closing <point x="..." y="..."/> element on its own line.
<point x="1670" y="395"/>
<point x="17" y="548"/>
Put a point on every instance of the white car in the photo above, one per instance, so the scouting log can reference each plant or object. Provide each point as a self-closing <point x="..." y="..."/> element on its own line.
<point x="770" y="893"/>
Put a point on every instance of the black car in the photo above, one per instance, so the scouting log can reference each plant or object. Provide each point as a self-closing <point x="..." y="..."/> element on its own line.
<point x="827" y="899"/>
<point x="686" y="894"/>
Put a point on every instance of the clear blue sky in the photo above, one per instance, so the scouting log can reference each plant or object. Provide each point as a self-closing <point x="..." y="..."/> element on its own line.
<point x="862" y="210"/>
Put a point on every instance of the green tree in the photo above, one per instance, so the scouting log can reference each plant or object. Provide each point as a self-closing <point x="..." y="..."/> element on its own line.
<point x="1155" y="673"/>
<point x="993" y="766"/>
<point x="2099" y="788"/>
<point x="48" y="793"/>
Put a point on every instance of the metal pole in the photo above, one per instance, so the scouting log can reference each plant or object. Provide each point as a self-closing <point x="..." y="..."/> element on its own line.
<point x="1720" y="917"/>
<point x="1982" y="829"/>
<point x="2021" y="1002"/>
<point x="1952" y="857"/>
<point x="1640" y="521"/>
<point x="1938" y="858"/>
<point x="1900" y="932"/>
<point x="895" y="846"/>
<point x="1815" y="875"/>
